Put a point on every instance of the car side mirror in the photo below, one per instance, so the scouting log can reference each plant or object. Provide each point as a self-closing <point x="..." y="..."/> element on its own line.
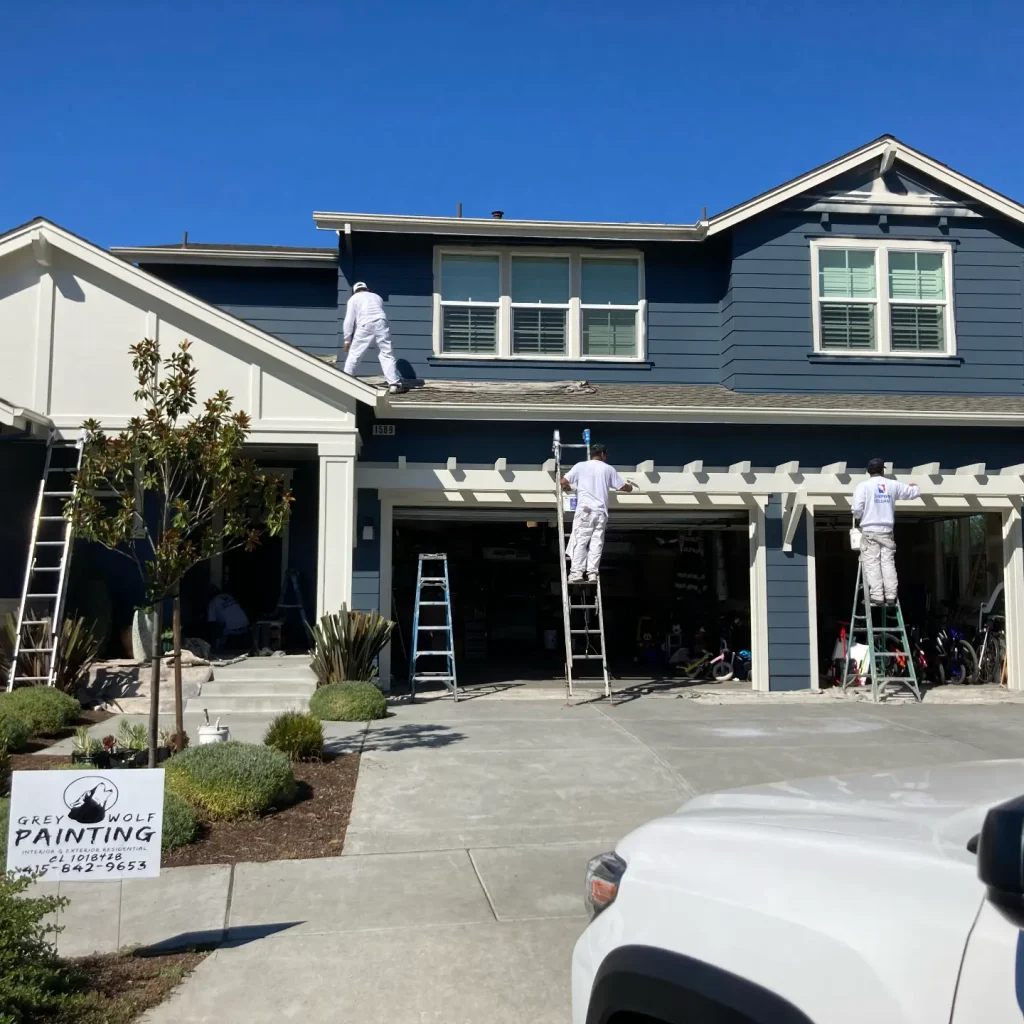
<point x="1001" y="859"/>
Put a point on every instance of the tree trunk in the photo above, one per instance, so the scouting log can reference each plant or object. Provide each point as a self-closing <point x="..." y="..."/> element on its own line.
<point x="154" y="682"/>
<point x="179" y="717"/>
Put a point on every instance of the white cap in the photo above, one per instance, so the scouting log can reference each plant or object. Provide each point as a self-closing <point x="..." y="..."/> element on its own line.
<point x="359" y="286"/>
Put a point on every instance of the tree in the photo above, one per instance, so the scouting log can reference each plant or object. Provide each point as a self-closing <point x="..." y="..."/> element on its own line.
<point x="178" y="491"/>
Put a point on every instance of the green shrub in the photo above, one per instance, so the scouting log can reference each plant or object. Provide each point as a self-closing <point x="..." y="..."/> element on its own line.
<point x="347" y="645"/>
<point x="13" y="729"/>
<point x="77" y="651"/>
<point x="299" y="737"/>
<point x="348" y="702"/>
<point x="5" y="779"/>
<point x="5" y="820"/>
<point x="181" y="823"/>
<point x="45" y="709"/>
<point x="32" y="983"/>
<point x="231" y="780"/>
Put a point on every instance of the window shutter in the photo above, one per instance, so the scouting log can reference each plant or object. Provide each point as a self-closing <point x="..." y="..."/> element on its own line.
<point x="847" y="325"/>
<point x="471" y="329"/>
<point x="538" y="331"/>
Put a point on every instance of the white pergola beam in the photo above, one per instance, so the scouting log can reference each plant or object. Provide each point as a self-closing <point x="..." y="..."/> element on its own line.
<point x="1017" y="470"/>
<point x="973" y="469"/>
<point x="791" y="468"/>
<point x="834" y="469"/>
<point x="500" y="465"/>
<point x="402" y="464"/>
<point x="926" y="469"/>
<point x="451" y="464"/>
<point x="697" y="466"/>
<point x="739" y="468"/>
<point x="548" y="466"/>
<point x="791" y="520"/>
<point x="646" y="467"/>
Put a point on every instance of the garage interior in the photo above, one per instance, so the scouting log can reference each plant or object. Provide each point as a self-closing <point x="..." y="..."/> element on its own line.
<point x="948" y="566"/>
<point x="668" y="582"/>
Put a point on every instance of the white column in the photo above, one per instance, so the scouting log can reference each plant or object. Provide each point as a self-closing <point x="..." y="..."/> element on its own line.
<point x="812" y="598"/>
<point x="387" y="510"/>
<point x="1013" y="590"/>
<point x="758" y="595"/>
<point x="336" y="525"/>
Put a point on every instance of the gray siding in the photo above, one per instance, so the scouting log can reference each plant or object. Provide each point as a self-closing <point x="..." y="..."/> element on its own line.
<point x="766" y="317"/>
<point x="366" y="591"/>
<point x="789" y="663"/>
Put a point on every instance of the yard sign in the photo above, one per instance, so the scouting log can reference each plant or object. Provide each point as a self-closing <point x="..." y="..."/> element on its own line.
<point x="87" y="826"/>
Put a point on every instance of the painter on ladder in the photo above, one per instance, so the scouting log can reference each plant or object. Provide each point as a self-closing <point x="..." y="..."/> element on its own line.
<point x="592" y="480"/>
<point x="366" y="323"/>
<point x="873" y="501"/>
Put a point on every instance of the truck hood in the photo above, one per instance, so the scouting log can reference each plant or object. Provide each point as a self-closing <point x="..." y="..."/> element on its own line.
<point x="942" y="806"/>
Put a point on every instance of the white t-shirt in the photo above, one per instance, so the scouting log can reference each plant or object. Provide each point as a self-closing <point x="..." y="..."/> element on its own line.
<point x="873" y="501"/>
<point x="226" y="611"/>
<point x="365" y="307"/>
<point x="593" y="480"/>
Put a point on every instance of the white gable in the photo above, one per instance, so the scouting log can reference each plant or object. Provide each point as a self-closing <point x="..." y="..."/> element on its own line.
<point x="69" y="312"/>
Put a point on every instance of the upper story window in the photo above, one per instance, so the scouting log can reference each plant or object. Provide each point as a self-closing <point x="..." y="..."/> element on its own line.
<point x="524" y="304"/>
<point x="883" y="297"/>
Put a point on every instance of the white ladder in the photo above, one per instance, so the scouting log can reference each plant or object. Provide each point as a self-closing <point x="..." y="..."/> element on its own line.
<point x="432" y="582"/>
<point x="46" y="574"/>
<point x="582" y="612"/>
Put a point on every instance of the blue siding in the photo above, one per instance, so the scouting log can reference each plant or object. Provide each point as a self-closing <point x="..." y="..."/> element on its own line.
<point x="766" y="321"/>
<point x="684" y="285"/>
<point x="789" y="664"/>
<point x="366" y="557"/>
<point x="366" y="591"/>
<point x="297" y="305"/>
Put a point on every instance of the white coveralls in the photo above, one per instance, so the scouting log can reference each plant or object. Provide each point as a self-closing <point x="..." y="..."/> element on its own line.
<point x="366" y="322"/>
<point x="592" y="480"/>
<point x="873" y="501"/>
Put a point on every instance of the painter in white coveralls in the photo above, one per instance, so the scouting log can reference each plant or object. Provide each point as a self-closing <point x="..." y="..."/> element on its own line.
<point x="873" y="501"/>
<point x="366" y="323"/>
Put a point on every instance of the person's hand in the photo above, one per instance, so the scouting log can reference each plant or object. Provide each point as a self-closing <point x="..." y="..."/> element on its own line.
<point x="346" y="344"/>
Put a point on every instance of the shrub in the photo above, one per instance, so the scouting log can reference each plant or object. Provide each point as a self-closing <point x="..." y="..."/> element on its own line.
<point x="181" y="823"/>
<point x="77" y="651"/>
<point x="231" y="780"/>
<point x="5" y="820"/>
<point x="299" y="737"/>
<point x="32" y="983"/>
<point x="5" y="780"/>
<point x="44" y="708"/>
<point x="347" y="645"/>
<point x="348" y="702"/>
<point x="13" y="729"/>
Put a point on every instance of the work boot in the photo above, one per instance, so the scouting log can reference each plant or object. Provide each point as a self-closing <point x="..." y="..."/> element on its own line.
<point x="592" y="577"/>
<point x="575" y="577"/>
<point x="397" y="389"/>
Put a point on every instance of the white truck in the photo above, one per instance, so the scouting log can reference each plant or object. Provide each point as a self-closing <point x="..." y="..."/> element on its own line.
<point x="884" y="898"/>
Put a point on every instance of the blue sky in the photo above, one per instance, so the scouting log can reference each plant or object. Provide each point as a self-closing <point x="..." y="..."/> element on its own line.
<point x="131" y="122"/>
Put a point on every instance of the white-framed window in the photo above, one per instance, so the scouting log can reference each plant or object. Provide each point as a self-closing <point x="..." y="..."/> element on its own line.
<point x="539" y="304"/>
<point x="889" y="297"/>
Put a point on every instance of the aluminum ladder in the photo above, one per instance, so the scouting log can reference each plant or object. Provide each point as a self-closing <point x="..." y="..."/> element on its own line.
<point x="878" y="636"/>
<point x="582" y="612"/>
<point x="41" y="610"/>
<point x="436" y="585"/>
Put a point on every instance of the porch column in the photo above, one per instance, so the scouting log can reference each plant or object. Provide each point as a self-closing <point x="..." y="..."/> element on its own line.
<point x="336" y="536"/>
<point x="387" y="510"/>
<point x="758" y="594"/>
<point x="1013" y="590"/>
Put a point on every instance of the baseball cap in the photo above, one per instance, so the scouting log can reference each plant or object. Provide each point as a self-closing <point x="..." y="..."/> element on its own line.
<point x="359" y="286"/>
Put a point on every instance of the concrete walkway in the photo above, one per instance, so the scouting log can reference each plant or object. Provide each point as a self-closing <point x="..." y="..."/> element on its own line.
<point x="458" y="897"/>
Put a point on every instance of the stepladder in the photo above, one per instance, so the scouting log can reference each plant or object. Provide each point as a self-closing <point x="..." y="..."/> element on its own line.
<point x="36" y="654"/>
<point x="432" y="654"/>
<point x="879" y="633"/>
<point x="582" y="610"/>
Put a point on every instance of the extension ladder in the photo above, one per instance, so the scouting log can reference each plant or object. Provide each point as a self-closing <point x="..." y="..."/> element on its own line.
<point x="582" y="613"/>
<point x="292" y="602"/>
<point x="877" y="635"/>
<point x="433" y="582"/>
<point x="46" y="574"/>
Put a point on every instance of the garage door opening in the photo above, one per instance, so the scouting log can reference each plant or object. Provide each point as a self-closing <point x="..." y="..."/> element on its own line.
<point x="949" y="568"/>
<point x="670" y="587"/>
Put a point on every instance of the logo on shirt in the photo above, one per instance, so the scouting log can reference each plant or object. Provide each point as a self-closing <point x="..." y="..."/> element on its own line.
<point x="881" y="495"/>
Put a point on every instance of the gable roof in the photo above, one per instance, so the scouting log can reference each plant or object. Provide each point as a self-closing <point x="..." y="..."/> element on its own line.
<point x="886" y="149"/>
<point x="229" y="253"/>
<point x="41" y="234"/>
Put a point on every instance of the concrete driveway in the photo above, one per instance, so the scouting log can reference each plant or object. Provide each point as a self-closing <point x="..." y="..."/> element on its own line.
<point x="458" y="898"/>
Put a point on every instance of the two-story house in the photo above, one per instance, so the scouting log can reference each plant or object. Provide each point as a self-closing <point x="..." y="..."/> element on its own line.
<point x="742" y="370"/>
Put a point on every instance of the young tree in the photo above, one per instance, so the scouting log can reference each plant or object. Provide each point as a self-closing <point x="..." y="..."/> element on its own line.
<point x="182" y="491"/>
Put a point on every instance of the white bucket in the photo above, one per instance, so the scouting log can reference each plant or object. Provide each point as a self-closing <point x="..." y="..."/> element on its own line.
<point x="215" y="733"/>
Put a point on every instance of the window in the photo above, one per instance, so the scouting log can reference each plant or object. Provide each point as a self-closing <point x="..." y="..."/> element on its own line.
<point x="470" y="289"/>
<point x="882" y="297"/>
<point x="539" y="304"/>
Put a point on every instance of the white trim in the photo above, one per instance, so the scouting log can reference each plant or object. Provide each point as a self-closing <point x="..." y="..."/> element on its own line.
<point x="301" y="258"/>
<point x="812" y="599"/>
<point x="336" y="524"/>
<point x="881" y="300"/>
<point x="1013" y="592"/>
<point x="266" y="344"/>
<point x="490" y="227"/>
<point x="44" y="338"/>
<point x="574" y="307"/>
<point x="21" y="418"/>
<point x="759" y="672"/>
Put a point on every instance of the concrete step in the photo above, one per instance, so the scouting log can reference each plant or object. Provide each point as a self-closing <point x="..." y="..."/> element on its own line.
<point x="241" y="705"/>
<point x="259" y="688"/>
<point x="245" y="671"/>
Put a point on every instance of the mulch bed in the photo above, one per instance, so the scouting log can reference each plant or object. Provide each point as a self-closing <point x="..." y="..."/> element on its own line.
<point x="313" y="826"/>
<point x="89" y="718"/>
<point x="116" y="988"/>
